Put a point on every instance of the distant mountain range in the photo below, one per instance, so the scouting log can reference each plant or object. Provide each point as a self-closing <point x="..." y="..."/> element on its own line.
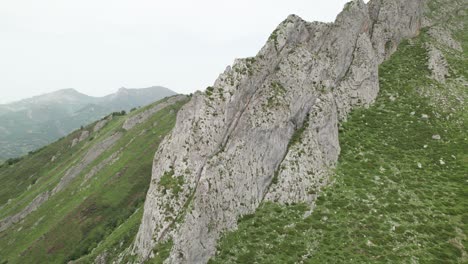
<point x="34" y="122"/>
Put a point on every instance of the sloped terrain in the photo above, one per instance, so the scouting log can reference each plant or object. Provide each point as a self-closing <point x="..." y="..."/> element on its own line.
<point x="267" y="130"/>
<point x="338" y="143"/>
<point x="60" y="202"/>
<point x="35" y="122"/>
<point x="399" y="193"/>
<point x="254" y="152"/>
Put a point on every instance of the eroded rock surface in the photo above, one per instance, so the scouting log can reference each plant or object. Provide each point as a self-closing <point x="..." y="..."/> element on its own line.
<point x="99" y="125"/>
<point x="94" y="152"/>
<point x="444" y="37"/>
<point x="31" y="207"/>
<point x="437" y="64"/>
<point x="234" y="145"/>
<point x="84" y="135"/>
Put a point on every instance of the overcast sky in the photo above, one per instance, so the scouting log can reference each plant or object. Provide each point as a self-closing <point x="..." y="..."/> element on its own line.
<point x="98" y="46"/>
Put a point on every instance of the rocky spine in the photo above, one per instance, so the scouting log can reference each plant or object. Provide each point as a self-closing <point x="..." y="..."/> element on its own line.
<point x="237" y="144"/>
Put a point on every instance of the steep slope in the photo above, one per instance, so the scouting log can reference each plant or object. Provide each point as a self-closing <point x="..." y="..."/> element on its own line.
<point x="32" y="123"/>
<point x="399" y="192"/>
<point x="59" y="203"/>
<point x="267" y="131"/>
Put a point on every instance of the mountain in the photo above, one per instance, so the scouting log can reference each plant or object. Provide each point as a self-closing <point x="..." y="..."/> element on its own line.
<point x="255" y="151"/>
<point x="58" y="203"/>
<point x="32" y="123"/>
<point x="338" y="142"/>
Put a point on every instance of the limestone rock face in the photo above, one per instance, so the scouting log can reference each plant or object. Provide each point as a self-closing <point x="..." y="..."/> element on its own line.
<point x="393" y="21"/>
<point x="437" y="64"/>
<point x="268" y="127"/>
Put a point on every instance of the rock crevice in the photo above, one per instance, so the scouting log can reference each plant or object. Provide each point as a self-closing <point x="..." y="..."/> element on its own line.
<point x="268" y="127"/>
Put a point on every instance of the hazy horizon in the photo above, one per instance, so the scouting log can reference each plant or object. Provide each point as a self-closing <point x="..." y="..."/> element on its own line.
<point x="94" y="96"/>
<point x="96" y="48"/>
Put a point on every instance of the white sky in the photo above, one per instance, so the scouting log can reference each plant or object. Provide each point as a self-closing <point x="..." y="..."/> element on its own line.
<point x="98" y="46"/>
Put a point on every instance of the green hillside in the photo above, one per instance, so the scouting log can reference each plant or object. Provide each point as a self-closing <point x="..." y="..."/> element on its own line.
<point x="92" y="206"/>
<point x="35" y="122"/>
<point x="398" y="194"/>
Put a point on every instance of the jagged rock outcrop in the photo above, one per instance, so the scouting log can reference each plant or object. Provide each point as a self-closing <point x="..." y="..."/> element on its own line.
<point x="101" y="123"/>
<point x="393" y="21"/>
<point x="84" y="135"/>
<point x="437" y="64"/>
<point x="237" y="144"/>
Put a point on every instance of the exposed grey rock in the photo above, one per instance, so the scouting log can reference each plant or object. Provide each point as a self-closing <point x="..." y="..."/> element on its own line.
<point x="13" y="219"/>
<point x="143" y="116"/>
<point x="393" y="21"/>
<point x="94" y="152"/>
<point x="108" y="161"/>
<point x="99" y="125"/>
<point x="436" y="137"/>
<point x="437" y="64"/>
<point x="84" y="135"/>
<point x="74" y="142"/>
<point x="230" y="142"/>
<point x="101" y="258"/>
<point x="305" y="168"/>
<point x="444" y="37"/>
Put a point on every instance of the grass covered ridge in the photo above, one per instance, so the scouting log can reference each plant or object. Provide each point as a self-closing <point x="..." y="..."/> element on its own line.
<point x="93" y="216"/>
<point x="399" y="196"/>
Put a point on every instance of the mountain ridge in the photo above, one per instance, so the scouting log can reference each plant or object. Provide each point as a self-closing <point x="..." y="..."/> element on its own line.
<point x="98" y="174"/>
<point x="234" y="145"/>
<point x="74" y="92"/>
<point x="338" y="142"/>
<point x="34" y="122"/>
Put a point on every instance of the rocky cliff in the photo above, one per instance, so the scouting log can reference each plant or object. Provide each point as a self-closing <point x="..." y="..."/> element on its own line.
<point x="268" y="127"/>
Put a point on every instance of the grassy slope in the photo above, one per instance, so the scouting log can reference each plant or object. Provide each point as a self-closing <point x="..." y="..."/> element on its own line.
<point x="17" y="177"/>
<point x="382" y="207"/>
<point x="75" y="220"/>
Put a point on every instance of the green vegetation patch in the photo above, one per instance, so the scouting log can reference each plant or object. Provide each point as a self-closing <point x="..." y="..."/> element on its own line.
<point x="161" y="252"/>
<point x="277" y="90"/>
<point x="268" y="236"/>
<point x="91" y="216"/>
<point x="171" y="182"/>
<point x="400" y="195"/>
